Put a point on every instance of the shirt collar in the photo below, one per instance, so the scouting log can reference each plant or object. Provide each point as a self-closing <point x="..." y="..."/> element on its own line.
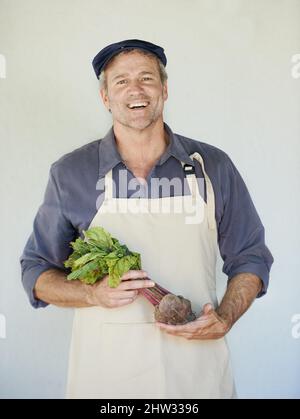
<point x="109" y="155"/>
<point x="175" y="148"/>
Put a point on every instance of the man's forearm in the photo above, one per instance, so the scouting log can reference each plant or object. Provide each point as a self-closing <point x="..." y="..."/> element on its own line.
<point x="53" y="288"/>
<point x="241" y="292"/>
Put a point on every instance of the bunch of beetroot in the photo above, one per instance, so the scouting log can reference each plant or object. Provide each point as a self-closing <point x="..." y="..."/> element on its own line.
<point x="99" y="254"/>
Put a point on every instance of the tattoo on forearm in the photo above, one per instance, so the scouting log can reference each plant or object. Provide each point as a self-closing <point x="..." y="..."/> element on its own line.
<point x="241" y="292"/>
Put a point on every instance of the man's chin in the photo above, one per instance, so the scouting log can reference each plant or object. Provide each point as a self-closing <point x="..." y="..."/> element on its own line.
<point x="139" y="125"/>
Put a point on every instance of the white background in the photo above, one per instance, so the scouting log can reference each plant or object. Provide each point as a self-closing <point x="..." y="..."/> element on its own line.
<point x="230" y="84"/>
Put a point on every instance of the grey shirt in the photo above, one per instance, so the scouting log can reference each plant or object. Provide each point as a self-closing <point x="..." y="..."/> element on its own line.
<point x="75" y="192"/>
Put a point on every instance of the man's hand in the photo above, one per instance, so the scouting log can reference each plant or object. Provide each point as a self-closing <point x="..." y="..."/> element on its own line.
<point x="241" y="292"/>
<point x="209" y="325"/>
<point x="101" y="294"/>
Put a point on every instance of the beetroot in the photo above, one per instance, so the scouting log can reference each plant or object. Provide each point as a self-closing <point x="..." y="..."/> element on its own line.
<point x="174" y="309"/>
<point x="169" y="308"/>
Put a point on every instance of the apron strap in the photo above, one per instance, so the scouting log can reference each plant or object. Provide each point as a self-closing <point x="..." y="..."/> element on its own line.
<point x="191" y="180"/>
<point x="210" y="196"/>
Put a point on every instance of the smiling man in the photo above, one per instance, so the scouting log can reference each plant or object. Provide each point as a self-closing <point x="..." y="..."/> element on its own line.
<point x="134" y="89"/>
<point x="117" y="350"/>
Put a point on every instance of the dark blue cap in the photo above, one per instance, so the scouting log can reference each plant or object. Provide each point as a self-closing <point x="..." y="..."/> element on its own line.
<point x="108" y="52"/>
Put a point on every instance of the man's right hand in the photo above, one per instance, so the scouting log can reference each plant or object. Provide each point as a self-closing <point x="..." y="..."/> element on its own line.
<point x="101" y="294"/>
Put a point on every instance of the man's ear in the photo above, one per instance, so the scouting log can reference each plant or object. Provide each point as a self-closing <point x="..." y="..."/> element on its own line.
<point x="165" y="90"/>
<point x="105" y="99"/>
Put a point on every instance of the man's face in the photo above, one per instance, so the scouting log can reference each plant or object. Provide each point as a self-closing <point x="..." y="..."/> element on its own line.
<point x="133" y="79"/>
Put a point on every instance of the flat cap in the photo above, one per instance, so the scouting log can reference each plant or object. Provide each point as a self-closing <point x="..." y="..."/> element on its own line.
<point x="108" y="52"/>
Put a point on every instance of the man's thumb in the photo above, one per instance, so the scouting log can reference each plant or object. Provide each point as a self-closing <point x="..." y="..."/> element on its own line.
<point x="207" y="308"/>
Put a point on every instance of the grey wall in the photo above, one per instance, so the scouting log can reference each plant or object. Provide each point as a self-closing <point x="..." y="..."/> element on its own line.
<point x="231" y="83"/>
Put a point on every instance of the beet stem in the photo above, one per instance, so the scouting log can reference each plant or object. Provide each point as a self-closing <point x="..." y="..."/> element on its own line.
<point x="163" y="290"/>
<point x="150" y="297"/>
<point x="154" y="294"/>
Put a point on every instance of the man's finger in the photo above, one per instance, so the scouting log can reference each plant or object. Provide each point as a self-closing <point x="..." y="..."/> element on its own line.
<point x="123" y="302"/>
<point x="136" y="284"/>
<point x="206" y="318"/>
<point x="184" y="328"/>
<point x="203" y="322"/>
<point x="121" y="295"/>
<point x="134" y="274"/>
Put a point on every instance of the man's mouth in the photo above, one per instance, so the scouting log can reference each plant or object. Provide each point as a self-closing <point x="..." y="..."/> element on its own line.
<point x="138" y="105"/>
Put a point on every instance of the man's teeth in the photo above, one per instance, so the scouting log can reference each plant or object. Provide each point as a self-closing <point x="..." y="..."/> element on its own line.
<point x="137" y="105"/>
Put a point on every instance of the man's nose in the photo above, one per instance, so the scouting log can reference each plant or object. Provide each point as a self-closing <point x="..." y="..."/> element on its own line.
<point x="135" y="86"/>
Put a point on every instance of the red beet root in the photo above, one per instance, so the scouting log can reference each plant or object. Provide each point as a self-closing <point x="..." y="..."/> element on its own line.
<point x="174" y="309"/>
<point x="169" y="308"/>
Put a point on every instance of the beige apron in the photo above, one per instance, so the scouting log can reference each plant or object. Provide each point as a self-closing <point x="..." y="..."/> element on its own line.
<point x="119" y="352"/>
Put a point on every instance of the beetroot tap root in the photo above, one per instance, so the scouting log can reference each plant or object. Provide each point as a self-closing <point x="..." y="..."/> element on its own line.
<point x="169" y="308"/>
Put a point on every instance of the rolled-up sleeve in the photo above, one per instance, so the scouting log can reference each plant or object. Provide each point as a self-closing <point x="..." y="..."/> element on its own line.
<point x="241" y="234"/>
<point x="48" y="245"/>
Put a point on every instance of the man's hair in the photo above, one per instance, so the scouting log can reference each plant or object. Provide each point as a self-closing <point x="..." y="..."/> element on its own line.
<point x="161" y="68"/>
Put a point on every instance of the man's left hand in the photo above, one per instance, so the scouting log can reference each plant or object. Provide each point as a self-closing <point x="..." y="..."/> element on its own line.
<point x="209" y="325"/>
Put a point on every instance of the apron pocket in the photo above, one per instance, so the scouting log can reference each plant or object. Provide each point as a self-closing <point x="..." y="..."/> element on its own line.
<point x="131" y="358"/>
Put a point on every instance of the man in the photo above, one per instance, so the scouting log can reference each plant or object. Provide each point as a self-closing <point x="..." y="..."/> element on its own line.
<point x="117" y="349"/>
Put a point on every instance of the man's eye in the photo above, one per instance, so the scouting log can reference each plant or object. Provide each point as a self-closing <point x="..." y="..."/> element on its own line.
<point x="147" y="78"/>
<point x="121" y="82"/>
